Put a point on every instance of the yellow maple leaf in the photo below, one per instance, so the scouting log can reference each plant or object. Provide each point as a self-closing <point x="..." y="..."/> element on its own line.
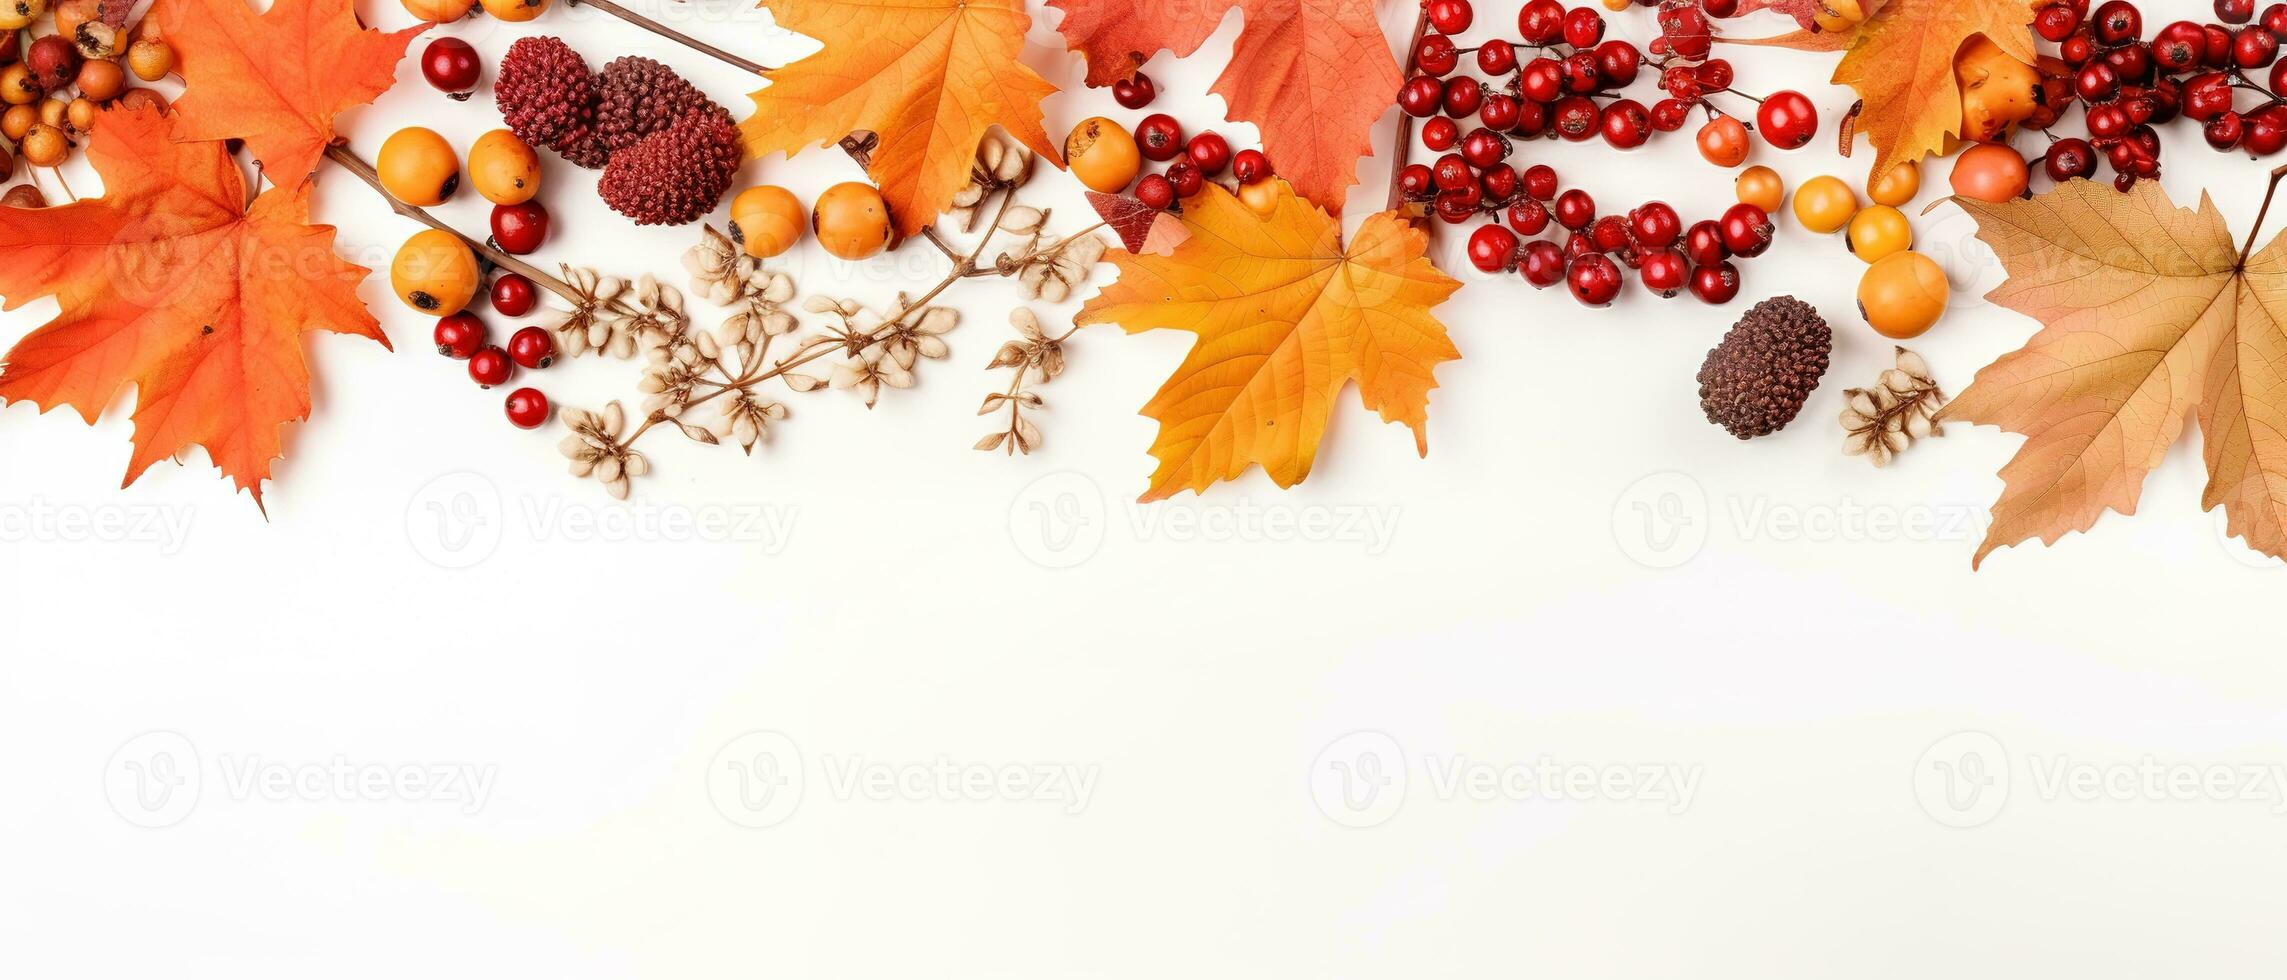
<point x="1286" y="316"/>
<point x="2150" y="315"/>
<point x="1900" y="61"/>
<point x="928" y="77"/>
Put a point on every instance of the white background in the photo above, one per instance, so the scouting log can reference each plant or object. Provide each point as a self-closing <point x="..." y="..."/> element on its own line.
<point x="1583" y="576"/>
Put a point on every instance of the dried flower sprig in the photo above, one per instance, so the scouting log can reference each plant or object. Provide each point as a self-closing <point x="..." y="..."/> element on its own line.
<point x="1882" y="421"/>
<point x="1037" y="359"/>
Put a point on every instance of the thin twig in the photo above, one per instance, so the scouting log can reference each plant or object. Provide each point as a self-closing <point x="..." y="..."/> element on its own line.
<point x="655" y="27"/>
<point x="1403" y="152"/>
<point x="2260" y="215"/>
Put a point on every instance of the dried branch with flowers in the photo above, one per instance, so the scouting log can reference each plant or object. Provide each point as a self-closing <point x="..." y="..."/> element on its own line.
<point x="1037" y="360"/>
<point x="1882" y="421"/>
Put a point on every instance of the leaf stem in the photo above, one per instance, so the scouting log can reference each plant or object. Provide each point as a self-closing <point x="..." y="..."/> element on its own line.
<point x="655" y="27"/>
<point x="2268" y="194"/>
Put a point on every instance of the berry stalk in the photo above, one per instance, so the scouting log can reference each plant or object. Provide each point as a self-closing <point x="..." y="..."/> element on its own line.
<point x="655" y="27"/>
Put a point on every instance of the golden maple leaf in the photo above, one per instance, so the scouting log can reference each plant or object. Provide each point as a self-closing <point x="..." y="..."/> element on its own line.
<point x="928" y="77"/>
<point x="1900" y="60"/>
<point x="2150" y="314"/>
<point x="1286" y="316"/>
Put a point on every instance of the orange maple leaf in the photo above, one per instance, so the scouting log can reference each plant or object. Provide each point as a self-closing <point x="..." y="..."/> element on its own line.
<point x="1313" y="75"/>
<point x="1900" y="60"/>
<point x="2149" y="313"/>
<point x="928" y="77"/>
<point x="1286" y="316"/>
<point x="277" y="79"/>
<point x="173" y="283"/>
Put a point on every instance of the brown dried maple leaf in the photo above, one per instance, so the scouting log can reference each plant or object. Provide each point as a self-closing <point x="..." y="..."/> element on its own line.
<point x="1313" y="75"/>
<point x="171" y="282"/>
<point x="2150" y="314"/>
<point x="278" y="78"/>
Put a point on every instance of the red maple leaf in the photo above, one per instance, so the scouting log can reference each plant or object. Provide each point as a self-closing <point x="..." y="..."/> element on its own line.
<point x="277" y="79"/>
<point x="171" y="282"/>
<point x="1313" y="75"/>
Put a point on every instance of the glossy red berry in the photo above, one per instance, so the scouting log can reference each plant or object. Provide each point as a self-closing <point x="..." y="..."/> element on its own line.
<point x="2254" y="48"/>
<point x="1542" y="264"/>
<point x="1493" y="248"/>
<point x="1715" y="284"/>
<point x="1541" y="21"/>
<point x="1747" y="230"/>
<point x="1664" y="272"/>
<point x="1209" y="152"/>
<point x="1134" y="93"/>
<point x="490" y="366"/>
<point x="514" y="295"/>
<point x="2097" y="82"/>
<point x="1186" y="178"/>
<point x="1703" y="244"/>
<point x="1626" y="124"/>
<point x="460" y="335"/>
<point x="1496" y="57"/>
<point x="1458" y="205"/>
<point x="1421" y="95"/>
<point x="2275" y="20"/>
<point x="1670" y="115"/>
<point x="1787" y="120"/>
<point x="1452" y="173"/>
<point x="1575" y="209"/>
<point x="1450" y="16"/>
<point x="2057" y="21"/>
<point x="2235" y="11"/>
<point x="2225" y="131"/>
<point x="1156" y="192"/>
<point x="1578" y="118"/>
<point x="1618" y="61"/>
<point x="1528" y="217"/>
<point x="1655" y="225"/>
<point x="1541" y="80"/>
<point x="1484" y="148"/>
<point x="1463" y="95"/>
<point x="2207" y="96"/>
<point x="1610" y="233"/>
<point x="451" y="66"/>
<point x="1416" y="182"/>
<point x="519" y="228"/>
<point x="2218" y="54"/>
<point x="1250" y="166"/>
<point x="1595" y="279"/>
<point x="1715" y="75"/>
<point x="532" y="348"/>
<point x="1440" y="133"/>
<point x="527" y="408"/>
<point x="2178" y="47"/>
<point x="1500" y="182"/>
<point x="2069" y="158"/>
<point x="1159" y="137"/>
<point x="1580" y="73"/>
<point x="1437" y="55"/>
<point x="1499" y="113"/>
<point x="1583" y="27"/>
<point x="2118" y="22"/>
<point x="1540" y="182"/>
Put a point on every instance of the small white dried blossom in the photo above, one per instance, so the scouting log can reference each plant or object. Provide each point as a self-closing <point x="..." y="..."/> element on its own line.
<point x="1049" y="270"/>
<point x="596" y="449"/>
<point x="1001" y="162"/>
<point x="659" y="318"/>
<point x="921" y="334"/>
<point x="869" y="371"/>
<point x="745" y="419"/>
<point x="593" y="324"/>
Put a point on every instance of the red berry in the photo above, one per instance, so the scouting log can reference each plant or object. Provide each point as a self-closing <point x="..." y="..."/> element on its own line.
<point x="2069" y="158"/>
<point x="2178" y="47"/>
<point x="2057" y="21"/>
<point x="1684" y="30"/>
<point x="2118" y="22"/>
<point x="451" y="66"/>
<point x="1670" y="115"/>
<point x="1134" y="93"/>
<point x="1787" y="120"/>
<point x="1541" y="80"/>
<point x="1540" y="182"/>
<point x="1578" y="118"/>
<point x="1458" y="205"/>
<point x="2225" y="131"/>
<point x="1421" y="95"/>
<point x="1542" y="264"/>
<point x="1159" y="137"/>
<point x="1500" y="182"/>
<point x="1655" y="225"/>
<point x="2235" y="11"/>
<point x="519" y="228"/>
<point x="490" y="366"/>
<point x="1156" y="192"/>
<point x="460" y="335"/>
<point x="1450" y="16"/>
<point x="1580" y="73"/>
<point x="1747" y="230"/>
<point x="1541" y="21"/>
<point x="1250" y="166"/>
<point x="527" y="408"/>
<point x="1437" y="55"/>
<point x="1416" y="182"/>
<point x="1715" y="284"/>
<point x="514" y="295"/>
<point x="1583" y="27"/>
<point x="1496" y="57"/>
<point x="2254" y="48"/>
<point x="1440" y="133"/>
<point x="1664" y="272"/>
<point x="1626" y="124"/>
<point x="1452" y="173"/>
<point x="2076" y="50"/>
<point x="1209" y="153"/>
<point x="1463" y="95"/>
<point x="1484" y="148"/>
<point x="1703" y="244"/>
<point x="1720" y="8"/>
<point x="1493" y="248"/>
<point x="1618" y="61"/>
<point x="1595" y="279"/>
<point x="1499" y="113"/>
<point x="2207" y="96"/>
<point x="1575" y="209"/>
<point x="2097" y="82"/>
<point x="532" y="348"/>
<point x="1186" y="178"/>
<point x="1610" y="233"/>
<point x="1528" y="217"/>
<point x="1715" y="76"/>
<point x="2275" y="20"/>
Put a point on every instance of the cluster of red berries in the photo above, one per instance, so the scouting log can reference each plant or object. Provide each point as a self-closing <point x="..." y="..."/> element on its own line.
<point x="1191" y="160"/>
<point x="1652" y="240"/>
<point x="1555" y="95"/>
<point x="2130" y="85"/>
<point x="463" y="337"/>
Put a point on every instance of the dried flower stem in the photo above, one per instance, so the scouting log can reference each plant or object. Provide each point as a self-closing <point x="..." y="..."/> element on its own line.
<point x="655" y="27"/>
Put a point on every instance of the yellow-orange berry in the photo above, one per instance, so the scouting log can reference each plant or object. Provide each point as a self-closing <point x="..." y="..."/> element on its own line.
<point x="1103" y="155"/>
<point x="1761" y="187"/>
<point x="766" y="220"/>
<point x="417" y="166"/>
<point x="434" y="272"/>
<point x="515" y="10"/>
<point x="1903" y="296"/>
<point x="504" y="169"/>
<point x="851" y="221"/>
